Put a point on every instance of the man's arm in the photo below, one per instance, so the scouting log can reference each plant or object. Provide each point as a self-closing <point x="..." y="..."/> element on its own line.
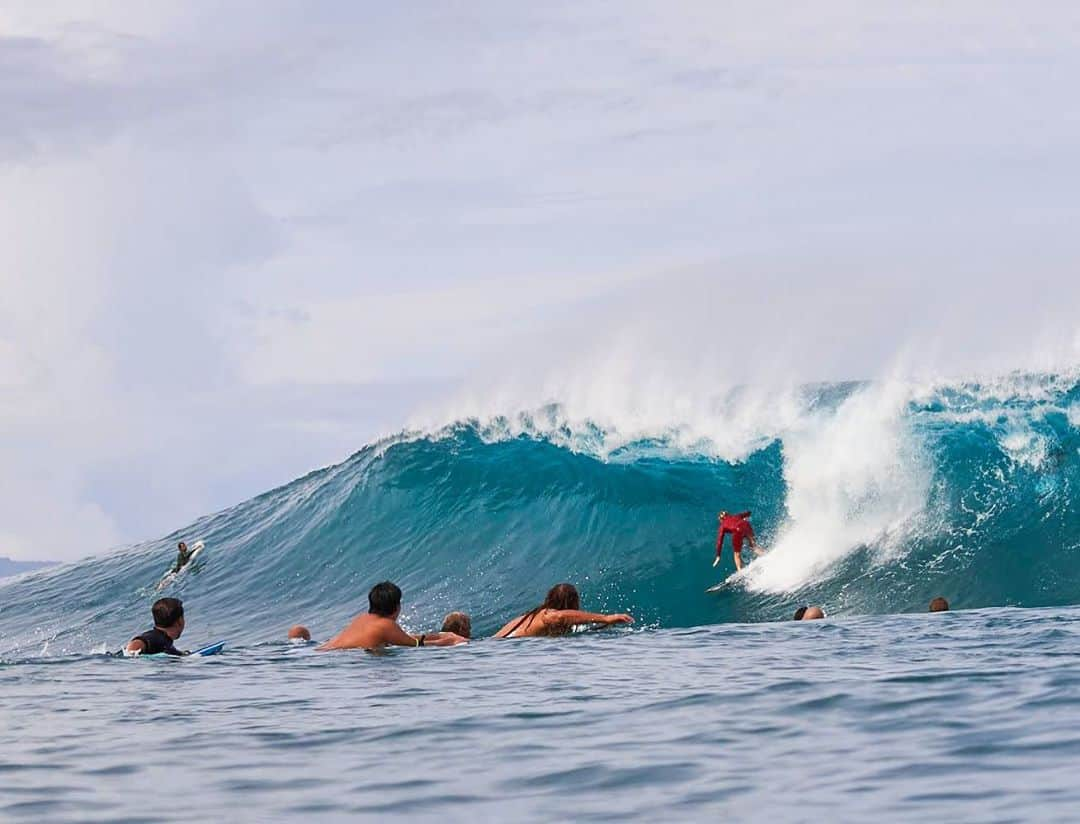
<point x="135" y="646"/>
<point x="571" y="617"/>
<point x="442" y="639"/>
<point x="720" y="539"/>
<point x="400" y="638"/>
<point x="719" y="545"/>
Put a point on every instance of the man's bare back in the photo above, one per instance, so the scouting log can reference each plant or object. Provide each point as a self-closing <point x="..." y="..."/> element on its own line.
<point x="369" y="631"/>
<point x="379" y="628"/>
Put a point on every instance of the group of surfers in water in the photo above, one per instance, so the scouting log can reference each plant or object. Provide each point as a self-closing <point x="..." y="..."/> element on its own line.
<point x="377" y="628"/>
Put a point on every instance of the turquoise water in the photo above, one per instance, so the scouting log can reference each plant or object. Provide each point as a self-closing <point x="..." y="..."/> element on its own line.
<point x="872" y="499"/>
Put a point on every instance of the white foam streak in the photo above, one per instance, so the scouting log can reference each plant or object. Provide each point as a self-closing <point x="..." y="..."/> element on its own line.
<point x="855" y="477"/>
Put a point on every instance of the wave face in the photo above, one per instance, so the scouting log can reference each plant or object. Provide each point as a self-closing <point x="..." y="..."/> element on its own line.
<point x="873" y="498"/>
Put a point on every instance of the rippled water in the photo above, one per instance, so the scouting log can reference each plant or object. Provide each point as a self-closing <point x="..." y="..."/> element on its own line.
<point x="970" y="715"/>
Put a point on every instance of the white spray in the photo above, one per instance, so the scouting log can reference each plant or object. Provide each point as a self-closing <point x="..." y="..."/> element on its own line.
<point x="855" y="477"/>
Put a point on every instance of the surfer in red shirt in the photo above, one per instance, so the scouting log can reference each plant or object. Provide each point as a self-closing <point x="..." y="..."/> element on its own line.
<point x="740" y="529"/>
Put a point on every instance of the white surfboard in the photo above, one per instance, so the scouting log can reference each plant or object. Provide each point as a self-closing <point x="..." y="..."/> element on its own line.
<point x="731" y="580"/>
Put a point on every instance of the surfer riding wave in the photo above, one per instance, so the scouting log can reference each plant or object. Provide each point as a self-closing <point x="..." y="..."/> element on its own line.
<point x="739" y="527"/>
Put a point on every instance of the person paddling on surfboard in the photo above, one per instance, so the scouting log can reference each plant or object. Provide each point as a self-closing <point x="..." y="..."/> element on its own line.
<point x="558" y="615"/>
<point x="183" y="555"/>
<point x="740" y="529"/>
<point x="168" y="626"/>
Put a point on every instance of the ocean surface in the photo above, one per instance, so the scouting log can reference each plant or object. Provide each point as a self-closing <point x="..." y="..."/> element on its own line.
<point x="872" y="498"/>
<point x="969" y="716"/>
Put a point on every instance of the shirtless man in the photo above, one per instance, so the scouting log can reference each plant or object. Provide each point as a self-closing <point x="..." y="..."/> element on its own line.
<point x="378" y="627"/>
<point x="560" y="612"/>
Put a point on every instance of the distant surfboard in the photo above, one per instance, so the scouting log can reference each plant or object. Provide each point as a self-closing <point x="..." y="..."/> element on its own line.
<point x="733" y="579"/>
<point x="196" y="550"/>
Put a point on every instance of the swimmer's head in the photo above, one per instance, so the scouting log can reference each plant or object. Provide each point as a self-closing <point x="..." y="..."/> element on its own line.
<point x="169" y="616"/>
<point x="384" y="600"/>
<point x="299" y="633"/>
<point x="813" y="614"/>
<point x="562" y="596"/>
<point x="721" y="515"/>
<point x="939" y="604"/>
<point x="182" y="546"/>
<point x="799" y="613"/>
<point x="458" y="623"/>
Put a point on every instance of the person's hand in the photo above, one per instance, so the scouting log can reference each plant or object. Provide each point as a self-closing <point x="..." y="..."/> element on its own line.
<point x="621" y="618"/>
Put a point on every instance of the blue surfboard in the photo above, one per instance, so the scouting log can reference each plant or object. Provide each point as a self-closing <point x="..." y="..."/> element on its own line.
<point x="210" y="649"/>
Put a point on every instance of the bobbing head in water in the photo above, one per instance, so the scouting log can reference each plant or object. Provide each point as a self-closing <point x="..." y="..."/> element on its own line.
<point x="299" y="634"/>
<point x="458" y="623"/>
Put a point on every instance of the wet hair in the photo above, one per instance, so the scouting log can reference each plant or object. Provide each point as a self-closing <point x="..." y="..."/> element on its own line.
<point x="939" y="604"/>
<point x="167" y="612"/>
<point x="459" y="623"/>
<point x="384" y="599"/>
<point x="182" y="546"/>
<point x="562" y="596"/>
<point x="799" y="613"/>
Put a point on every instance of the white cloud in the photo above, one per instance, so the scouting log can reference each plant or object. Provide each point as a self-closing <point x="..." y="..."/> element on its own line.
<point x="236" y="241"/>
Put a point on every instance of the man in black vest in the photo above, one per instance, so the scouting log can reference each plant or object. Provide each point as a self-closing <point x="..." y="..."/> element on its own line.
<point x="168" y="626"/>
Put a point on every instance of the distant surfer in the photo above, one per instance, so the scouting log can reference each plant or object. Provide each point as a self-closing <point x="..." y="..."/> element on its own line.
<point x="740" y="529"/>
<point x="168" y="626"/>
<point x="183" y="555"/>
<point x="184" y="558"/>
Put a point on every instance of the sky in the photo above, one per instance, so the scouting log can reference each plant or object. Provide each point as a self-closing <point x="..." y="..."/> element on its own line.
<point x="239" y="241"/>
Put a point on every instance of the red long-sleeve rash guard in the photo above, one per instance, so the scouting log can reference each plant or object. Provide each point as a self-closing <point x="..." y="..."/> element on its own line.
<point x="737" y="525"/>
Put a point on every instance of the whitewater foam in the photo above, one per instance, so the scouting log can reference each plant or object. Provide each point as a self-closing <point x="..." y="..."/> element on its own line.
<point x="855" y="477"/>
